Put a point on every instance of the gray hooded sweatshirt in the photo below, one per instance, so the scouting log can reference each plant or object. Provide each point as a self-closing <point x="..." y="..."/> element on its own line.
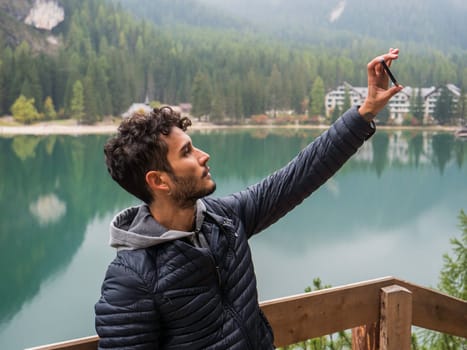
<point x="135" y="228"/>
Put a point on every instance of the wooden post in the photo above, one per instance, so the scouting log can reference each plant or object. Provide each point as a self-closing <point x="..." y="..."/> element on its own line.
<point x="395" y="318"/>
<point x="365" y="337"/>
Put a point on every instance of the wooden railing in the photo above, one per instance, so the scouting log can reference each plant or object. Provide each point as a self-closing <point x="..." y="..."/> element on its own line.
<point x="380" y="313"/>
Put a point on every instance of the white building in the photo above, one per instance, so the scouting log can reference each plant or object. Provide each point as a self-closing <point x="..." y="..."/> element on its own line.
<point x="399" y="105"/>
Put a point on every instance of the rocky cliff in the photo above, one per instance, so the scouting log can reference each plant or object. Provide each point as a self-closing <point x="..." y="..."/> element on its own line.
<point x="45" y="14"/>
<point x="31" y="21"/>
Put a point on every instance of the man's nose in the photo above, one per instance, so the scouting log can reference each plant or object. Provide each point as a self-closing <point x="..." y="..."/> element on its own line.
<point x="203" y="157"/>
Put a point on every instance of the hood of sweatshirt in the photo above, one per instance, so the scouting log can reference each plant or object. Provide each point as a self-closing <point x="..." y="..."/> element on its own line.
<point x="135" y="228"/>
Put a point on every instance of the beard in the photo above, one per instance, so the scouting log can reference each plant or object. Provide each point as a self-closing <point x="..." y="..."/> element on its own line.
<point x="188" y="190"/>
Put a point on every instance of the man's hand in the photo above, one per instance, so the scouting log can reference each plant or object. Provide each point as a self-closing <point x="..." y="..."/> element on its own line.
<point x="379" y="92"/>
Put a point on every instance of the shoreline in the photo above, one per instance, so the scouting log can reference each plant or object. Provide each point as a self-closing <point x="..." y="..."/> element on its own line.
<point x="110" y="128"/>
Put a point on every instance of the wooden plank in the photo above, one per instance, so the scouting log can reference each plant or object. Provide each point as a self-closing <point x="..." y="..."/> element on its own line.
<point x="318" y="313"/>
<point x="437" y="311"/>
<point x="86" y="343"/>
<point x="396" y="318"/>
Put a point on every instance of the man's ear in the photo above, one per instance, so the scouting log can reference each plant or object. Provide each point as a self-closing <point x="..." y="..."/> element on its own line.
<point x="156" y="180"/>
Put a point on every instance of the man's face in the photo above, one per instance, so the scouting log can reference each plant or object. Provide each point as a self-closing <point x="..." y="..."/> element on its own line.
<point x="191" y="178"/>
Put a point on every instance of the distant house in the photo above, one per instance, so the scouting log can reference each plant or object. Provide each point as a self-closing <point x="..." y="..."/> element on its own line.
<point x="335" y="98"/>
<point x="185" y="108"/>
<point x="431" y="97"/>
<point x="398" y="106"/>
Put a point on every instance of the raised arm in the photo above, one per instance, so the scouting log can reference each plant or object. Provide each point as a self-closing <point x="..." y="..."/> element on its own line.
<point x="264" y="203"/>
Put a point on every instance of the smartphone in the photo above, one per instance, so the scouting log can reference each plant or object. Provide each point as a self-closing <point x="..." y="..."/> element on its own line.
<point x="388" y="72"/>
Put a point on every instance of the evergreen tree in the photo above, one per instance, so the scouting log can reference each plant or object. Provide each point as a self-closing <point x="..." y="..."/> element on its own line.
<point x="2" y="88"/>
<point x="253" y="94"/>
<point x="77" y="101"/>
<point x="347" y="99"/>
<point x="201" y="95"/>
<point x="233" y="105"/>
<point x="217" y="112"/>
<point x="453" y="281"/>
<point x="98" y="81"/>
<point x="416" y="105"/>
<point x="317" y="97"/>
<point x="120" y="84"/>
<point x="24" y="111"/>
<point x="7" y="73"/>
<point x="47" y="75"/>
<point x="27" y="77"/>
<point x="443" y="108"/>
<point x="275" y="89"/>
<point x="383" y="116"/>
<point x="72" y="73"/>
<point x="460" y="108"/>
<point x="453" y="276"/>
<point x="463" y="107"/>
<point x="90" y="102"/>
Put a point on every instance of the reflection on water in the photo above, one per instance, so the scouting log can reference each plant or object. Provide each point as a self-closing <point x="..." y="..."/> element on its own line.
<point x="390" y="210"/>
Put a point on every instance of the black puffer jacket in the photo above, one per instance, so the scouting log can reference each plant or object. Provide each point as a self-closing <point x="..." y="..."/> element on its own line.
<point x="162" y="292"/>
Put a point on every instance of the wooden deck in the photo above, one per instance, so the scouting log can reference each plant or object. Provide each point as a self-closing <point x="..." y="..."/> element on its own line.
<point x="380" y="313"/>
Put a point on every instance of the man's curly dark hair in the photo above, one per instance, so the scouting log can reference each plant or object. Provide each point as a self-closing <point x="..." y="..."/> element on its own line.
<point x="138" y="148"/>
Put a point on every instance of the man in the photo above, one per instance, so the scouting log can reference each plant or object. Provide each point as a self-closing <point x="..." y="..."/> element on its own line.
<point x="183" y="277"/>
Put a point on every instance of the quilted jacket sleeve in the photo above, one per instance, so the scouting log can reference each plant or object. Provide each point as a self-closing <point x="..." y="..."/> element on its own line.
<point x="125" y="313"/>
<point x="262" y="204"/>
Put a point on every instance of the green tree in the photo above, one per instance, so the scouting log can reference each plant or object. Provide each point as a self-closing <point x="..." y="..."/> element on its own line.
<point x="275" y="83"/>
<point x="383" y="116"/>
<point x="49" y="109"/>
<point x="217" y="109"/>
<point x="77" y="101"/>
<point x="347" y="100"/>
<point x="90" y="101"/>
<point x="317" y="97"/>
<point x="2" y="87"/>
<point x="461" y="108"/>
<point x="26" y="74"/>
<point x="120" y="85"/>
<point x="453" y="276"/>
<point x="453" y="281"/>
<point x="201" y="95"/>
<point x="253" y="94"/>
<point x="443" y="108"/>
<point x="97" y="70"/>
<point x="24" y="111"/>
<point x="416" y="105"/>
<point x="8" y="95"/>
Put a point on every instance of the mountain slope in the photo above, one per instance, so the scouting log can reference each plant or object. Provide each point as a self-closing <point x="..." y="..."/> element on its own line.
<point x="428" y="22"/>
<point x="182" y="12"/>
